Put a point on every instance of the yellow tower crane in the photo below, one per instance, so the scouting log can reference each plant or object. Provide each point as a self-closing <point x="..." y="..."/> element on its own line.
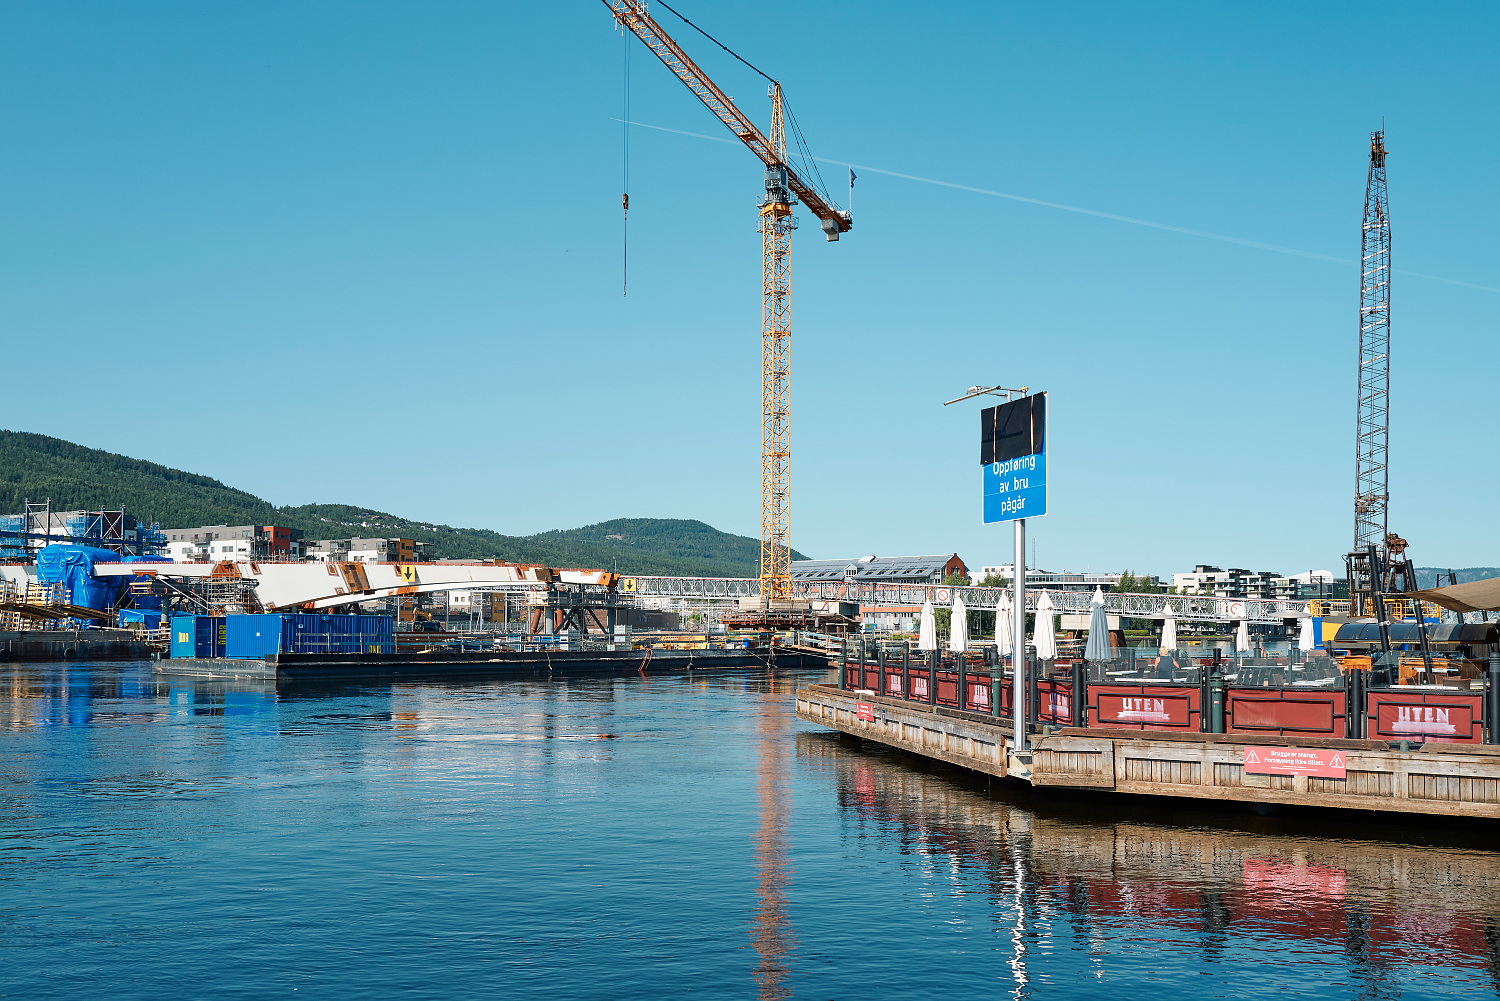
<point x="783" y="189"/>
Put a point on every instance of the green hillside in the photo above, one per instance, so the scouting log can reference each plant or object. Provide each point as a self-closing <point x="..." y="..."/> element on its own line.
<point x="36" y="467"/>
<point x="664" y="536"/>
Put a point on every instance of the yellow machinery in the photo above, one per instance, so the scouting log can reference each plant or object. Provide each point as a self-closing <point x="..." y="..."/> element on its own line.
<point x="783" y="189"/>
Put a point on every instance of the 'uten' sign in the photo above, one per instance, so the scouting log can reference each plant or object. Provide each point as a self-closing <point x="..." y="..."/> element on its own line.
<point x="1157" y="710"/>
<point x="1294" y="761"/>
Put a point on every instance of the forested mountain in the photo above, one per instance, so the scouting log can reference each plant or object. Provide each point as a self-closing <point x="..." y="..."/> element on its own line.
<point x="37" y="467"/>
<point x="666" y="536"/>
<point x="1427" y="576"/>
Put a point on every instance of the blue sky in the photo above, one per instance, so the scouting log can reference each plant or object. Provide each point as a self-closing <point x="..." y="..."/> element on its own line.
<point x="370" y="253"/>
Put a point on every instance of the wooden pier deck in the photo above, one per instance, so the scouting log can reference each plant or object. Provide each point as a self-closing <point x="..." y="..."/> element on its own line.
<point x="1439" y="779"/>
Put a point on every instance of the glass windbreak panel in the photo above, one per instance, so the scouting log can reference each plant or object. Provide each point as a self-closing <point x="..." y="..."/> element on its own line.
<point x="1385" y="668"/>
<point x="1319" y="671"/>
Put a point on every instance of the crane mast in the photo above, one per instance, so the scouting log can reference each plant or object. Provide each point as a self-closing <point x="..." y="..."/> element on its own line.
<point x="783" y="189"/>
<point x="1371" y="479"/>
<point x="776" y="224"/>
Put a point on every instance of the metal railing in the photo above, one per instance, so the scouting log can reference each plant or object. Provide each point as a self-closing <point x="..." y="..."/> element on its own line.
<point x="1191" y="608"/>
<point x="1308" y="697"/>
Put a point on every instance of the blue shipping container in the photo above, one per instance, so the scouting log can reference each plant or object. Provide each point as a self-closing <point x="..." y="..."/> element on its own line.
<point x="255" y="636"/>
<point x="197" y="636"/>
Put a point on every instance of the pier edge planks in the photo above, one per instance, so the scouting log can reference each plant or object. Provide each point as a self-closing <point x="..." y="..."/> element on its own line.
<point x="1441" y="780"/>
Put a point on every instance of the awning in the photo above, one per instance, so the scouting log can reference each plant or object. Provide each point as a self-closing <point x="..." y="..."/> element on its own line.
<point x="1472" y="596"/>
<point x="1407" y="632"/>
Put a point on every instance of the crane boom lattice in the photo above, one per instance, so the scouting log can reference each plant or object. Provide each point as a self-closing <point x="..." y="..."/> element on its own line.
<point x="776" y="226"/>
<point x="1371" y="477"/>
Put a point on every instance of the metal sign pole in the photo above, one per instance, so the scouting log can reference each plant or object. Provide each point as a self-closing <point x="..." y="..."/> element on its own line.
<point x="1018" y="630"/>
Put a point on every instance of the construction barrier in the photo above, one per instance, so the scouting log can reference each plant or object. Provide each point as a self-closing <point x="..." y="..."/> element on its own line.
<point x="1286" y="712"/>
<point x="1054" y="702"/>
<point x="1393" y="714"/>
<point x="1146" y="707"/>
<point x="1425" y="716"/>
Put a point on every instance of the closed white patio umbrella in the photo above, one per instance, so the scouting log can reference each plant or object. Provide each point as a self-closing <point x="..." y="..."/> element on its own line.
<point x="927" y="629"/>
<point x="1168" y="630"/>
<point x="1306" y="639"/>
<point x="1044" y="630"/>
<point x="1242" y="637"/>
<point x="1097" y="648"/>
<point x="1004" y="641"/>
<point x="958" y="625"/>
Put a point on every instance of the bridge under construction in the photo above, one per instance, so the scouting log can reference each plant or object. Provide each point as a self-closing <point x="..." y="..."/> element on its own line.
<point x="320" y="586"/>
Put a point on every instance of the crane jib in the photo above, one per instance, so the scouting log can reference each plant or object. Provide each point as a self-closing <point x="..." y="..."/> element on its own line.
<point x="631" y="15"/>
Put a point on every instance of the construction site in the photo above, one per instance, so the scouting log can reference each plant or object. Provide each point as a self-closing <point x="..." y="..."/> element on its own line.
<point x="91" y="571"/>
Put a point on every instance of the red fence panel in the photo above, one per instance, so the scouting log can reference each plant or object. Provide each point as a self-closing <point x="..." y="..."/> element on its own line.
<point x="919" y="687"/>
<point x="1054" y="702"/>
<point x="1146" y="707"/>
<point x="867" y="677"/>
<point x="1285" y="712"/>
<point x="893" y="680"/>
<point x="1439" y="717"/>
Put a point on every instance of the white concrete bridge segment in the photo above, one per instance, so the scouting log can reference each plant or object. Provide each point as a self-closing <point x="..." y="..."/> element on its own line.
<point x="328" y="585"/>
<point x="1141" y="606"/>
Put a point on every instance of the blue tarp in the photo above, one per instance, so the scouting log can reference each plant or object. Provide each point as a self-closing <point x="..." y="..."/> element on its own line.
<point x="73" y="567"/>
<point x="153" y="601"/>
<point x="145" y="616"/>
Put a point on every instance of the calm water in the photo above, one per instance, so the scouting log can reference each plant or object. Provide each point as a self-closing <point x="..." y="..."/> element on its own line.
<point x="649" y="838"/>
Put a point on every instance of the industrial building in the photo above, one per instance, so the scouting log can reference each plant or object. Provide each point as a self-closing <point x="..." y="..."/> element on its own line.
<point x="881" y="569"/>
<point x="885" y="570"/>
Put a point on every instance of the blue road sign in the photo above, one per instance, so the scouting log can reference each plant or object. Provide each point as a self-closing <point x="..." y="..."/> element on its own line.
<point x="1015" y="488"/>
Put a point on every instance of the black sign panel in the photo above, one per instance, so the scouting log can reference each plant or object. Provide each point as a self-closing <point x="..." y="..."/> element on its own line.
<point x="1013" y="429"/>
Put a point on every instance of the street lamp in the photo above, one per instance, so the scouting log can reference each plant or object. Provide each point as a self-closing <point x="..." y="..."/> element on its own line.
<point x="1018" y="698"/>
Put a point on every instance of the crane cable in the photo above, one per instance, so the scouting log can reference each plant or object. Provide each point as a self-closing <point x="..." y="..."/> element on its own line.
<point x="720" y="44"/>
<point x="810" y="172"/>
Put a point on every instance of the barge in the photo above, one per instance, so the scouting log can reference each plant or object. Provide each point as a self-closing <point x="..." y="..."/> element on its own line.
<point x="332" y="666"/>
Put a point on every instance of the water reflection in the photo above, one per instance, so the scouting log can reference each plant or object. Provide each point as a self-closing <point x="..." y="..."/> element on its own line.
<point x="636" y="837"/>
<point x="1048" y="865"/>
<point x="771" y="931"/>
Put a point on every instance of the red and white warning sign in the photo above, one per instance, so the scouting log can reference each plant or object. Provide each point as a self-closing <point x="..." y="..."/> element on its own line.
<point x="864" y="712"/>
<point x="1294" y="761"/>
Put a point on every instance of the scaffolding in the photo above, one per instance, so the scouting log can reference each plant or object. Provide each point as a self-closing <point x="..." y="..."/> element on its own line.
<point x="38" y="525"/>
